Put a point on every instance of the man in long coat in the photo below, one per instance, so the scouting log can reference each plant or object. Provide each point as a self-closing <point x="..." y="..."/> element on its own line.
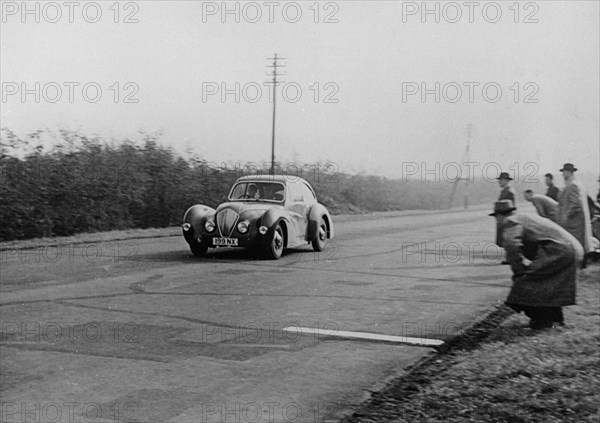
<point x="506" y="193"/>
<point x="573" y="210"/>
<point x="545" y="206"/>
<point x="547" y="284"/>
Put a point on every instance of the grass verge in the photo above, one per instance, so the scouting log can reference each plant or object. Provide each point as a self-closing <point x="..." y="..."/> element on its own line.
<point x="502" y="371"/>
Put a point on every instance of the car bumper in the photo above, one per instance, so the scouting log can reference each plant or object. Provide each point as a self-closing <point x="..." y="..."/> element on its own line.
<point x="245" y="241"/>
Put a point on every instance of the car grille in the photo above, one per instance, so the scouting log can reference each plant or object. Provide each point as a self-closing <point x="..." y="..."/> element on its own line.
<point x="226" y="221"/>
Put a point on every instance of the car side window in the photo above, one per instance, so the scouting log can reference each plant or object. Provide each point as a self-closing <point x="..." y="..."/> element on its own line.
<point x="308" y="194"/>
<point x="295" y="193"/>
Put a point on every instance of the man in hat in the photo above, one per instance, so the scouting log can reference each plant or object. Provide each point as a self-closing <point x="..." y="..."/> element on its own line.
<point x="573" y="210"/>
<point x="545" y="285"/>
<point x="506" y="193"/>
<point x="545" y="206"/>
<point x="552" y="191"/>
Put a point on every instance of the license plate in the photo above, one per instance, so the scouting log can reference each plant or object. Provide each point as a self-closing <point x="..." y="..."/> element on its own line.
<point x="225" y="242"/>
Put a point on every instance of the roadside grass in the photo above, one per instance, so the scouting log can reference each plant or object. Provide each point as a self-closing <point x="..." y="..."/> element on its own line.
<point x="514" y="375"/>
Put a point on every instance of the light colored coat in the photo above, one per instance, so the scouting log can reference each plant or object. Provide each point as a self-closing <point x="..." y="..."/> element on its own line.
<point x="549" y="280"/>
<point x="574" y="214"/>
<point x="545" y="206"/>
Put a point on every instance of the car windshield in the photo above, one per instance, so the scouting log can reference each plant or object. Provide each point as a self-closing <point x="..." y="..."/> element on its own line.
<point x="258" y="191"/>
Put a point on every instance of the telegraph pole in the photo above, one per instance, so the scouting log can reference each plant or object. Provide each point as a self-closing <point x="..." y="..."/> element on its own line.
<point x="274" y="74"/>
<point x="467" y="157"/>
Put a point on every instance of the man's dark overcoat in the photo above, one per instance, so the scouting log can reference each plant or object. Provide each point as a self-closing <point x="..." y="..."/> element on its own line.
<point x="552" y="192"/>
<point x="555" y="255"/>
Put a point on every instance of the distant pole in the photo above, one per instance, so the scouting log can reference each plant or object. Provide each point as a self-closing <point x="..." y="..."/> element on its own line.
<point x="274" y="108"/>
<point x="468" y="155"/>
<point x="275" y="66"/>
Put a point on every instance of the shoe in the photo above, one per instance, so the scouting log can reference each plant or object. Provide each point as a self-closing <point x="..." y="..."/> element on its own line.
<point x="505" y="262"/>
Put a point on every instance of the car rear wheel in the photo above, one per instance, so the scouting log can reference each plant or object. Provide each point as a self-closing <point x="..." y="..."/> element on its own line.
<point x="275" y="247"/>
<point x="318" y="243"/>
<point x="198" y="250"/>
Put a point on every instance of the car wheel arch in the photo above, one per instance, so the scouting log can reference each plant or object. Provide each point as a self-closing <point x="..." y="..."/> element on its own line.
<point x="327" y="224"/>
<point x="317" y="213"/>
<point x="284" y="228"/>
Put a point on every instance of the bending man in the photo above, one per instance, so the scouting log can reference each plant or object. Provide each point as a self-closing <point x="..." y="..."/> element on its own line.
<point x="547" y="284"/>
<point x="545" y="206"/>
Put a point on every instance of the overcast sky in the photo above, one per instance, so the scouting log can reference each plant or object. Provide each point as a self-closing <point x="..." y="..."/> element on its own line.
<point x="368" y="60"/>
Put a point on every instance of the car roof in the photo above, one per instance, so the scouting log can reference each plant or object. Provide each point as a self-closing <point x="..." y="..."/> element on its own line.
<point x="285" y="179"/>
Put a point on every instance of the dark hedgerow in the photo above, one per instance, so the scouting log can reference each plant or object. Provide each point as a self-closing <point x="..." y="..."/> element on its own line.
<point x="86" y="184"/>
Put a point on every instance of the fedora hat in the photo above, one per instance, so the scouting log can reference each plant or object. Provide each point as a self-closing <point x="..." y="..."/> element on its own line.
<point x="503" y="207"/>
<point x="504" y="175"/>
<point x="569" y="167"/>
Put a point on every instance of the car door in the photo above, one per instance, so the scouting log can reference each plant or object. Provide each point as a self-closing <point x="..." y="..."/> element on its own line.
<point x="298" y="210"/>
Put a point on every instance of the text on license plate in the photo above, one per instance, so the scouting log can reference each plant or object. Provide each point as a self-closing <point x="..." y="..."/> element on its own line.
<point x="224" y="242"/>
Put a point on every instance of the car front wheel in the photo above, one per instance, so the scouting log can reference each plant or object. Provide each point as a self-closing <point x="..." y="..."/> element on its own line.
<point x="275" y="247"/>
<point x="318" y="243"/>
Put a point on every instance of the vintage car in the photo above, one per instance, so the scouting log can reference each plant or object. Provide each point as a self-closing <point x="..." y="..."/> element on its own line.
<point x="266" y="212"/>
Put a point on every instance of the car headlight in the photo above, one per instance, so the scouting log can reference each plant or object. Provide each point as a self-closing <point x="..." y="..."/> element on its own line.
<point x="186" y="226"/>
<point x="263" y="230"/>
<point x="242" y="227"/>
<point x="209" y="225"/>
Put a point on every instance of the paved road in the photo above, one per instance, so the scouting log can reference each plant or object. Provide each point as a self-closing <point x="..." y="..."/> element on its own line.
<point x="142" y="331"/>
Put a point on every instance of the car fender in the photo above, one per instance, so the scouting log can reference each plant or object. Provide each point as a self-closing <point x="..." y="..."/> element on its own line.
<point x="314" y="217"/>
<point x="275" y="215"/>
<point x="197" y="215"/>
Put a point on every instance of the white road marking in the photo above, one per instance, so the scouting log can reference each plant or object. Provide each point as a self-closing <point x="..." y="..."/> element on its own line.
<point x="365" y="335"/>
